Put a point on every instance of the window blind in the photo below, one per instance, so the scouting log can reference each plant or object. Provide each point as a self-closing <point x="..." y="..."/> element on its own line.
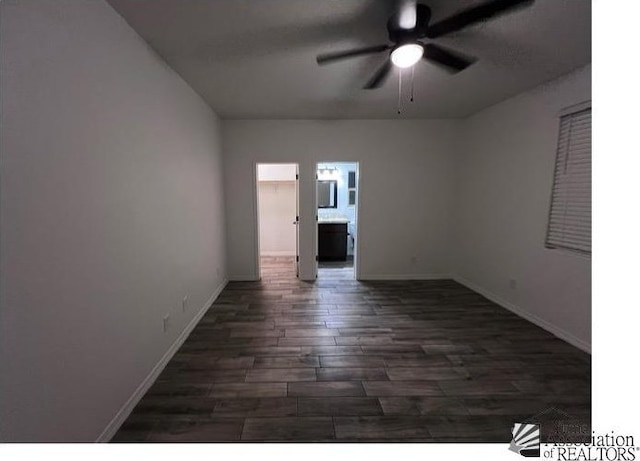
<point x="569" y="224"/>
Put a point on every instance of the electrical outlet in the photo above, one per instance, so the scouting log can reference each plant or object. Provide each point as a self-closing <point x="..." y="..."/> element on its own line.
<point x="513" y="284"/>
<point x="165" y="323"/>
<point x="185" y="303"/>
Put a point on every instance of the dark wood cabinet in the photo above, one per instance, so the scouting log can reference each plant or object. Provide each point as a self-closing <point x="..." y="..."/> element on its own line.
<point x="332" y="241"/>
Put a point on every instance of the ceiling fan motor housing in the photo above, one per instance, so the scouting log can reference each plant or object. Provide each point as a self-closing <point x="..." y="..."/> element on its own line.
<point x="400" y="35"/>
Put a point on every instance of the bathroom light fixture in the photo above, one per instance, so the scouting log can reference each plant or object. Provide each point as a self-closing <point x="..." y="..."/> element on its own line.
<point x="407" y="55"/>
<point x="328" y="173"/>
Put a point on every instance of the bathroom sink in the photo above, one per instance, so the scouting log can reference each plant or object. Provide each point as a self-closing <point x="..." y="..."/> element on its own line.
<point x="333" y="219"/>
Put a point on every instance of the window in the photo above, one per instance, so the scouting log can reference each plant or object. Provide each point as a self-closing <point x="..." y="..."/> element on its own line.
<point x="352" y="188"/>
<point x="352" y="197"/>
<point x="569" y="224"/>
<point x="352" y="180"/>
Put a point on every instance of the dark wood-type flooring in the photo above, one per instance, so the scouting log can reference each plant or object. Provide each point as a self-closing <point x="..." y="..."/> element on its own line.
<point x="342" y="360"/>
<point x="336" y="270"/>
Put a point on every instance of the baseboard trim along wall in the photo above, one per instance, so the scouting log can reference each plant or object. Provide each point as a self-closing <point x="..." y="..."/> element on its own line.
<point x="144" y="386"/>
<point x="278" y="253"/>
<point x="244" y="278"/>
<point x="551" y="328"/>
<point x="404" y="277"/>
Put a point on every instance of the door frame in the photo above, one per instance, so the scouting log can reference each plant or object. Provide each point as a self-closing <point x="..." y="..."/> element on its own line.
<point x="356" y="246"/>
<point x="256" y="216"/>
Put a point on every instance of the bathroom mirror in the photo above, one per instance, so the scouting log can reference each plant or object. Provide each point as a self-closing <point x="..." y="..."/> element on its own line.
<point x="328" y="194"/>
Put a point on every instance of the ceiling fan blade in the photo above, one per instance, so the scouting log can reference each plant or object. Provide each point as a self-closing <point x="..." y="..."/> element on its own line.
<point x="380" y="76"/>
<point x="450" y="60"/>
<point x="327" y="58"/>
<point x="474" y="15"/>
<point x="423" y="15"/>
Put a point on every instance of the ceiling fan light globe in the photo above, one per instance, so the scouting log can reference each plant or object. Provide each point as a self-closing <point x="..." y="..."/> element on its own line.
<point x="407" y="55"/>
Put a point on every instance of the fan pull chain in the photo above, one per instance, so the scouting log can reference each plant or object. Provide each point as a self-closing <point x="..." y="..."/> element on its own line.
<point x="399" y="90"/>
<point x="413" y="71"/>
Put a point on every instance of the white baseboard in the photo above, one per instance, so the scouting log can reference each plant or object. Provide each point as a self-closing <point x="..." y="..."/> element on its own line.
<point x="278" y="253"/>
<point x="243" y="278"/>
<point x="365" y="277"/>
<point x="551" y="328"/>
<point x="144" y="386"/>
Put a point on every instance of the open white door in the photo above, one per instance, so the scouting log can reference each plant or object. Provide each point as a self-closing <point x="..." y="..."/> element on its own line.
<point x="296" y="223"/>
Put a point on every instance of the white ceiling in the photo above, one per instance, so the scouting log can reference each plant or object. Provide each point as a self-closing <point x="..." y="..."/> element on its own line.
<point x="255" y="59"/>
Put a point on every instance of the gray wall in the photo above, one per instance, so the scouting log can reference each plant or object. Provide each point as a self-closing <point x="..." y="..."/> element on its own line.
<point x="111" y="205"/>
<point x="406" y="189"/>
<point x="504" y="176"/>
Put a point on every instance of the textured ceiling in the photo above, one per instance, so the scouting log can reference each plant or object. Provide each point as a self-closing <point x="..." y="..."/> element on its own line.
<point x="255" y="59"/>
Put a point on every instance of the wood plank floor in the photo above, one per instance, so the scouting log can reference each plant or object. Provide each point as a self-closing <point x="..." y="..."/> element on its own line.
<point x="336" y="270"/>
<point x="342" y="360"/>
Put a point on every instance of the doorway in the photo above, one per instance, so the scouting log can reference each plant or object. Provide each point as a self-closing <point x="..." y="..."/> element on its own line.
<point x="337" y="196"/>
<point x="278" y="219"/>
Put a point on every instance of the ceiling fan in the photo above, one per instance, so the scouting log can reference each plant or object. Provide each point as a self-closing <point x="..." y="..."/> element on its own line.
<point x="409" y="24"/>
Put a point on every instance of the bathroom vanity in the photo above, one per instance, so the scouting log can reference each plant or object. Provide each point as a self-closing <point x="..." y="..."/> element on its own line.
<point x="332" y="240"/>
